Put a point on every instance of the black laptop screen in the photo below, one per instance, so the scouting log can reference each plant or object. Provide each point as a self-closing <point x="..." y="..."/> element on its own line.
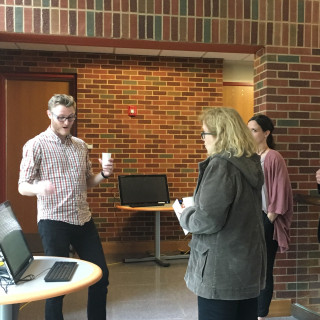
<point x="143" y="190"/>
<point x="14" y="248"/>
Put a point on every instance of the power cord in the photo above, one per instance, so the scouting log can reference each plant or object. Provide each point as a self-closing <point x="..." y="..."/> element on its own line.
<point x="5" y="282"/>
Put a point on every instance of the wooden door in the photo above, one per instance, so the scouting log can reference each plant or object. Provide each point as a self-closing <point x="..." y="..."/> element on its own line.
<point x="25" y="116"/>
<point x="239" y="97"/>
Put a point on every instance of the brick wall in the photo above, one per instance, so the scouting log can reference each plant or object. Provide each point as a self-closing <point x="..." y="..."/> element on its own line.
<point x="293" y="23"/>
<point x="287" y="90"/>
<point x="164" y="138"/>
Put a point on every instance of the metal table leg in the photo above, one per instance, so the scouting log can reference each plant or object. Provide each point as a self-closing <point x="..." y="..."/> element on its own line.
<point x="9" y="312"/>
<point x="157" y="241"/>
<point x="157" y="256"/>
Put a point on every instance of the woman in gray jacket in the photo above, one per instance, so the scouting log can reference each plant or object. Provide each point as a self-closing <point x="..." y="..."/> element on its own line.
<point x="227" y="265"/>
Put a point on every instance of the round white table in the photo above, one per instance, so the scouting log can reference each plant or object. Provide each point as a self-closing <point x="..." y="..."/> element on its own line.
<point x="85" y="275"/>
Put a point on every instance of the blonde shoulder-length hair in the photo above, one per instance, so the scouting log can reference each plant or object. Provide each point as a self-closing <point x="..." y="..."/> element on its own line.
<point x="232" y="135"/>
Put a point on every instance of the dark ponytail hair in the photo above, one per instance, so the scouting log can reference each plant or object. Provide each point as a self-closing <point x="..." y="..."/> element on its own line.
<point x="266" y="124"/>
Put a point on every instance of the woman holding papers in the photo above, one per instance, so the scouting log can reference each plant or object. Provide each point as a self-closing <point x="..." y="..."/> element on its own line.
<point x="227" y="265"/>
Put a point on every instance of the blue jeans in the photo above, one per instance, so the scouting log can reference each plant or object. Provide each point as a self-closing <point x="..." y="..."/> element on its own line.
<point x="56" y="239"/>
<point x="211" y="309"/>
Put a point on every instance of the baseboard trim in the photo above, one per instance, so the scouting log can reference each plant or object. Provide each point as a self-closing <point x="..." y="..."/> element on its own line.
<point x="141" y="247"/>
<point x="280" y="308"/>
<point x="302" y="313"/>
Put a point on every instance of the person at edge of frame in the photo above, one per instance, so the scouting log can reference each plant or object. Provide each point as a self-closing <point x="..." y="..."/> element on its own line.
<point x="318" y="182"/>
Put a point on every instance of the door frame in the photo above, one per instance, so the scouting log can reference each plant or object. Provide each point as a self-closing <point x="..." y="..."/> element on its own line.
<point x="71" y="78"/>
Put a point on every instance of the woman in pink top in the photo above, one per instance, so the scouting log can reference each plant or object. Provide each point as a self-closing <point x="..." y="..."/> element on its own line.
<point x="277" y="202"/>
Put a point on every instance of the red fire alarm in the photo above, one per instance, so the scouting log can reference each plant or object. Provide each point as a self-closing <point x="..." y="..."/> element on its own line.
<point x="132" y="111"/>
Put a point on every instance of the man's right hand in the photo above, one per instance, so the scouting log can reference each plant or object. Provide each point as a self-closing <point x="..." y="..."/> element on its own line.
<point x="44" y="188"/>
<point x="41" y="188"/>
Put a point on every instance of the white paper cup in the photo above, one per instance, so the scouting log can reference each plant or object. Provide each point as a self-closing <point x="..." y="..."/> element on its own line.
<point x="188" y="202"/>
<point x="105" y="157"/>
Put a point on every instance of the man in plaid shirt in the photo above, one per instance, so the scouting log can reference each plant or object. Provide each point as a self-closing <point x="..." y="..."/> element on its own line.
<point x="56" y="168"/>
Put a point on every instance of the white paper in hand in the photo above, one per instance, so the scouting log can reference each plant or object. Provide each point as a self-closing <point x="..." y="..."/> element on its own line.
<point x="178" y="210"/>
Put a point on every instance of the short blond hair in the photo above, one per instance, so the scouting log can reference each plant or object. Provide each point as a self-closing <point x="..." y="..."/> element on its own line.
<point x="232" y="134"/>
<point x="61" y="99"/>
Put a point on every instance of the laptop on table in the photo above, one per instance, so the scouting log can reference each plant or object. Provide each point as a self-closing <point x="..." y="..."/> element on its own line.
<point x="143" y="190"/>
<point x="16" y="254"/>
<point x="15" y="251"/>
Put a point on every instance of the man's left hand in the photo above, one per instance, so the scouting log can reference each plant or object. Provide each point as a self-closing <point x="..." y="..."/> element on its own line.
<point x="107" y="168"/>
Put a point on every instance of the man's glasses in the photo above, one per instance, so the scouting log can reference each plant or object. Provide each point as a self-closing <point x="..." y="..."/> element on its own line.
<point x="63" y="119"/>
<point x="203" y="134"/>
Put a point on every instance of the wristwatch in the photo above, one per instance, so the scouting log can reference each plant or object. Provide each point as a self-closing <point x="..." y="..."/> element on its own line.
<point x="106" y="177"/>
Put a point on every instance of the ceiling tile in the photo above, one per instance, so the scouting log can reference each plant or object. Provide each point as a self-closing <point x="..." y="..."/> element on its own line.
<point x="178" y="53"/>
<point x="133" y="51"/>
<point x="41" y="46"/>
<point x="130" y="51"/>
<point x="229" y="56"/>
<point x="8" y="45"/>
<point x="90" y="49"/>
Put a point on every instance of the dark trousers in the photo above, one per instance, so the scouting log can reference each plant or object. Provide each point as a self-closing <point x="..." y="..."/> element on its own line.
<point x="56" y="239"/>
<point x="211" y="309"/>
<point x="265" y="296"/>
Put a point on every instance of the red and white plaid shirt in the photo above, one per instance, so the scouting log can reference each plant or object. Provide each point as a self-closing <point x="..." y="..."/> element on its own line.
<point x="67" y="166"/>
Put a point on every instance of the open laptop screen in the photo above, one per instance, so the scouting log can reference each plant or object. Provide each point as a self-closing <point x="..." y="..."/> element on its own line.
<point x="143" y="190"/>
<point x="14" y="248"/>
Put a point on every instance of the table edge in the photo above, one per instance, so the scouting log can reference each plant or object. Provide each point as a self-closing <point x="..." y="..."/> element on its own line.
<point x="154" y="208"/>
<point x="67" y="288"/>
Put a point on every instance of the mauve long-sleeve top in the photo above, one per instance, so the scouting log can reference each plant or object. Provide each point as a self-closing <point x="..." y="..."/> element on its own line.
<point x="278" y="196"/>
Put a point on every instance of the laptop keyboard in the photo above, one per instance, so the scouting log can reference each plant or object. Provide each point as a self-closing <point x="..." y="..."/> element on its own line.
<point x="61" y="271"/>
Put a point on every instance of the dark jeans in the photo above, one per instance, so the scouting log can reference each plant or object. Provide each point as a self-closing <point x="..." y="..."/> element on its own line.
<point x="56" y="239"/>
<point x="265" y="296"/>
<point x="211" y="309"/>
